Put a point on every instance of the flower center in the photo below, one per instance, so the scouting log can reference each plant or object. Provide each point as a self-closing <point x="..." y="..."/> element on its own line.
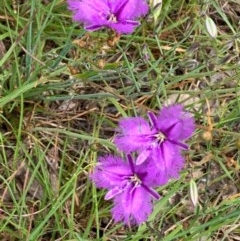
<point x="160" y="137"/>
<point x="112" y="18"/>
<point x="136" y="180"/>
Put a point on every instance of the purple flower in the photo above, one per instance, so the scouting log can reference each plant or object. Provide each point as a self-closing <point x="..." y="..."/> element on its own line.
<point x="161" y="140"/>
<point x="130" y="186"/>
<point x="120" y="15"/>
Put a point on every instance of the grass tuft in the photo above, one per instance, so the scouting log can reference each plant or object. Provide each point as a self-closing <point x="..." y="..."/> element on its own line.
<point x="62" y="93"/>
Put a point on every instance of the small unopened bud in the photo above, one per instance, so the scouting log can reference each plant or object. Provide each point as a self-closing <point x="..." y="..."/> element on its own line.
<point x="211" y="27"/>
<point x="156" y="6"/>
<point x="207" y="135"/>
<point x="101" y="63"/>
<point x="193" y="192"/>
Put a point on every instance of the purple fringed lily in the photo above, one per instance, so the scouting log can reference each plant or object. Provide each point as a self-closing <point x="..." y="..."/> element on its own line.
<point x="129" y="185"/>
<point x="161" y="140"/>
<point x="120" y="15"/>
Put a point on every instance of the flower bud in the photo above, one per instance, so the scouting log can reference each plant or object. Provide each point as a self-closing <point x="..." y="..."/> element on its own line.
<point x="207" y="135"/>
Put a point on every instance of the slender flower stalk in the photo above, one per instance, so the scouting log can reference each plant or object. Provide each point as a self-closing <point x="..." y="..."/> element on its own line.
<point x="161" y="139"/>
<point x="129" y="185"/>
<point x="119" y="15"/>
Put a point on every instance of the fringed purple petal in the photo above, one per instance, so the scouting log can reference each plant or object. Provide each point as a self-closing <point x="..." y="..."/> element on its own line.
<point x="117" y="6"/>
<point x="175" y="123"/>
<point x="133" y="134"/>
<point x="88" y="12"/>
<point x="133" y="206"/>
<point x="168" y="160"/>
<point x="150" y="174"/>
<point x="132" y="9"/>
<point x="125" y="27"/>
<point x="110" y="172"/>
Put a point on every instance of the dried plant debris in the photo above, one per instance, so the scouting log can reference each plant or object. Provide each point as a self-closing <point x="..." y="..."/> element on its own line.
<point x="185" y="99"/>
<point x="2" y="49"/>
<point x="23" y="178"/>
